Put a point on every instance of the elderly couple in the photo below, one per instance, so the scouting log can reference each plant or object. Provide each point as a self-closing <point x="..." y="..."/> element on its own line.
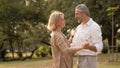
<point x="85" y="43"/>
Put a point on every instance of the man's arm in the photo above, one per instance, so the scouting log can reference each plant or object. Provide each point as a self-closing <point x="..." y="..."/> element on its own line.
<point x="93" y="48"/>
<point x="87" y="46"/>
<point x="96" y="38"/>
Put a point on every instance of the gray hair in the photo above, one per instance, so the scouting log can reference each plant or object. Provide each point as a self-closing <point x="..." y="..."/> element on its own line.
<point x="83" y="8"/>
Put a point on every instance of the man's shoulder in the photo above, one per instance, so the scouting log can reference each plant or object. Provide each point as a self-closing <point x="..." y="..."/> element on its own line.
<point x="95" y="25"/>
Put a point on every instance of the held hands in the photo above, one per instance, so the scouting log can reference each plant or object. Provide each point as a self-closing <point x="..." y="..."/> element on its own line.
<point x="85" y="44"/>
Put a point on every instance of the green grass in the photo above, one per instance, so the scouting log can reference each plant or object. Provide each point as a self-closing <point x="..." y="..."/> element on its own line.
<point x="47" y="63"/>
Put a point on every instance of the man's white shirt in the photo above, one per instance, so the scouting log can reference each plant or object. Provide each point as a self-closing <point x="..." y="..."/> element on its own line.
<point x="91" y="32"/>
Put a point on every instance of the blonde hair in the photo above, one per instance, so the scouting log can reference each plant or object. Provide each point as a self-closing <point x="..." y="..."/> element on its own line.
<point x="53" y="19"/>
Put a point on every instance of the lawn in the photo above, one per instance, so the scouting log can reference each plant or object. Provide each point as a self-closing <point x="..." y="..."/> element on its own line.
<point x="47" y="63"/>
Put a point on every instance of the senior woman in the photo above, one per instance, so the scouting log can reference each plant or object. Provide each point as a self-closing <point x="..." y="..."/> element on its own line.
<point x="61" y="50"/>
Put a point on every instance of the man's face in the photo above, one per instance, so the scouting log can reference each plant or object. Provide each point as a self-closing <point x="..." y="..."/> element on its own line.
<point x="78" y="15"/>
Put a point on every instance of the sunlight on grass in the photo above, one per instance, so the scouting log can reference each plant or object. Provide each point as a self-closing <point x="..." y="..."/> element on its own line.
<point x="47" y="63"/>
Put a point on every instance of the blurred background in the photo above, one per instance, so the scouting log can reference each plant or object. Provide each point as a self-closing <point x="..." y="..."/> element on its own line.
<point x="24" y="34"/>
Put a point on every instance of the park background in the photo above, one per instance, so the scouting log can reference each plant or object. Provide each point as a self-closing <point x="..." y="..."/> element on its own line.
<point x="25" y="39"/>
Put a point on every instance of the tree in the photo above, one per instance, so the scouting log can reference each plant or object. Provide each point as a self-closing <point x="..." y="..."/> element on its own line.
<point x="13" y="17"/>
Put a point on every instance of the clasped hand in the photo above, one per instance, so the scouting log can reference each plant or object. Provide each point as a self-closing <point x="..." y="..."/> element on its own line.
<point x="85" y="44"/>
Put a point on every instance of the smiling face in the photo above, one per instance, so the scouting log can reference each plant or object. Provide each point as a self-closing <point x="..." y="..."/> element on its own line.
<point x="61" y="22"/>
<point x="79" y="15"/>
<point x="56" y="21"/>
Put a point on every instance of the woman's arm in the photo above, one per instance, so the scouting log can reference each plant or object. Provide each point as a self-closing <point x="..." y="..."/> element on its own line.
<point x="64" y="47"/>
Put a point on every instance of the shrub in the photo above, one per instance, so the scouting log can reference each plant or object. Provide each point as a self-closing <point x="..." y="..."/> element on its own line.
<point x="48" y="50"/>
<point x="19" y="53"/>
<point x="41" y="51"/>
<point x="3" y="54"/>
<point x="105" y="50"/>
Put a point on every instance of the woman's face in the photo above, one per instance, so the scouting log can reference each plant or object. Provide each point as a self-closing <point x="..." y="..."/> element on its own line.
<point x="61" y="23"/>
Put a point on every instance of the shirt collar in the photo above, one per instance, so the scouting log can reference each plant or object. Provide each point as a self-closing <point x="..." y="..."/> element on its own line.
<point x="89" y="22"/>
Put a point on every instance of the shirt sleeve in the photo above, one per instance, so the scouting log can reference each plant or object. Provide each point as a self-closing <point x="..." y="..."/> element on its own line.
<point x="97" y="38"/>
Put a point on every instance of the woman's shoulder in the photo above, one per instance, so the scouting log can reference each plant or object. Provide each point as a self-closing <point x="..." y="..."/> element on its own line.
<point x="55" y="34"/>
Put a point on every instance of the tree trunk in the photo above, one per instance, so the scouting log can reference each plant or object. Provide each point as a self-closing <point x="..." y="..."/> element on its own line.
<point x="11" y="47"/>
<point x="110" y="42"/>
<point x="32" y="52"/>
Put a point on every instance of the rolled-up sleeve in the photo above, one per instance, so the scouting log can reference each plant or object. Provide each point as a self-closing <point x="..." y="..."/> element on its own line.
<point x="97" y="38"/>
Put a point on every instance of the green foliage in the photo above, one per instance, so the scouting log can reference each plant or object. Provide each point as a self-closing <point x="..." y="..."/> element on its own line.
<point x="21" y="24"/>
<point x="20" y="54"/>
<point x="105" y="50"/>
<point x="111" y="10"/>
<point x="25" y="26"/>
<point x="2" y="53"/>
<point x="43" y="51"/>
<point x="49" y="51"/>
